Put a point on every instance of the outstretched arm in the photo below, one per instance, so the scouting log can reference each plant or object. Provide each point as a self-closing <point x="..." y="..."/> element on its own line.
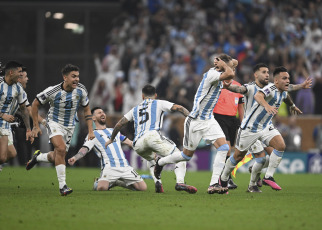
<point x="181" y="109"/>
<point x="235" y="88"/>
<point x="116" y="130"/>
<point x="81" y="153"/>
<point x="307" y="84"/>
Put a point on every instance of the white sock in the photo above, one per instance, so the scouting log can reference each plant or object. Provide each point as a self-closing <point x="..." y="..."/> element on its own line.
<point x="95" y="185"/>
<point x="151" y="165"/>
<point x="257" y="168"/>
<point x="266" y="162"/>
<point x="180" y="171"/>
<point x="219" y="163"/>
<point x="173" y="158"/>
<point x="274" y="161"/>
<point x="229" y="167"/>
<point x="61" y="175"/>
<point x="42" y="157"/>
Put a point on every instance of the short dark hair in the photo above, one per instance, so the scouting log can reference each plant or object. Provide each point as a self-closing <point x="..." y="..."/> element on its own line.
<point x="24" y="69"/>
<point x="258" y="66"/>
<point x="69" y="68"/>
<point x="148" y="90"/>
<point x="278" y="70"/>
<point x="95" y="108"/>
<point x="226" y="58"/>
<point x="12" y="65"/>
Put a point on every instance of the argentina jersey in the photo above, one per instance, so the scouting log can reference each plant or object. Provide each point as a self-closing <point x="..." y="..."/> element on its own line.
<point x="257" y="118"/>
<point x="113" y="155"/>
<point x="11" y="96"/>
<point x="63" y="105"/>
<point x="16" y="106"/>
<point x="148" y="116"/>
<point x="252" y="89"/>
<point x="207" y="95"/>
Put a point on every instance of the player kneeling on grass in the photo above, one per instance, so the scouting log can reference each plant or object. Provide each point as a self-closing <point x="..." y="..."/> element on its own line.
<point x="116" y="170"/>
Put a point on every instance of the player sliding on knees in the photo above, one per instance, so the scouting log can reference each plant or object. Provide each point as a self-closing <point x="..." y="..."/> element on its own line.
<point x="148" y="119"/>
<point x="115" y="169"/>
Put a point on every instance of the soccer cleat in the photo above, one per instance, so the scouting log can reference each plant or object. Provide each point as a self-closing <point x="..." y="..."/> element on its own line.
<point x="184" y="187"/>
<point x="254" y="189"/>
<point x="259" y="181"/>
<point x="33" y="161"/>
<point x="231" y="184"/>
<point x="65" y="191"/>
<point x="158" y="187"/>
<point x="157" y="169"/>
<point x="271" y="182"/>
<point x="216" y="188"/>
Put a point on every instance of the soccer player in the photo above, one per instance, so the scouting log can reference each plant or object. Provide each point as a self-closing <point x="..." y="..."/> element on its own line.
<point x="201" y="124"/>
<point x="10" y="94"/>
<point x="148" y="119"/>
<point x="257" y="125"/>
<point x="115" y="169"/>
<point x="64" y="100"/>
<point x="23" y="148"/>
<point x="261" y="75"/>
<point x="225" y="113"/>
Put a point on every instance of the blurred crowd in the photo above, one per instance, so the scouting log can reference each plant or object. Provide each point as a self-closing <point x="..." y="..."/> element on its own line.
<point x="170" y="44"/>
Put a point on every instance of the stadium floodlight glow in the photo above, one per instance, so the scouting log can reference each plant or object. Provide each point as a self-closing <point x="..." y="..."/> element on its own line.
<point x="71" y="26"/>
<point x="48" y="14"/>
<point x="76" y="28"/>
<point x="58" y="16"/>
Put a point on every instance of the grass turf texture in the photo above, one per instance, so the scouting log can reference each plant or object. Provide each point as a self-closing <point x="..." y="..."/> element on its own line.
<point x="30" y="200"/>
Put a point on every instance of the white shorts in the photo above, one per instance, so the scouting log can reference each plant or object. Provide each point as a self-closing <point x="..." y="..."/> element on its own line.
<point x="257" y="147"/>
<point x="246" y="139"/>
<point x="55" y="129"/>
<point x="154" y="142"/>
<point x="126" y="174"/>
<point x="195" y="130"/>
<point x="4" y="132"/>
<point x="10" y="138"/>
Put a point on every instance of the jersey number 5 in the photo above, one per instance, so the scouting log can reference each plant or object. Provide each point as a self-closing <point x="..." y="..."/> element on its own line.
<point x="145" y="116"/>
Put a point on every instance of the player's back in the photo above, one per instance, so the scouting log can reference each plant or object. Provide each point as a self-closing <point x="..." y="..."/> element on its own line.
<point x="148" y="116"/>
<point x="207" y="95"/>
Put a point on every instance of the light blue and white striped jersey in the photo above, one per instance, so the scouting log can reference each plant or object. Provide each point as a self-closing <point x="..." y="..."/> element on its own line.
<point x="10" y="97"/>
<point x="16" y="106"/>
<point x="148" y="116"/>
<point x="113" y="155"/>
<point x="252" y="89"/>
<point x="63" y="105"/>
<point x="257" y="118"/>
<point x="207" y="95"/>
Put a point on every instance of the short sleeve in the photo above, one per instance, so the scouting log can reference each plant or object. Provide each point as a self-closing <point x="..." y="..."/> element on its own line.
<point x="129" y="115"/>
<point x="89" y="143"/>
<point x="267" y="90"/>
<point x="85" y="99"/>
<point x="43" y="97"/>
<point x="166" y="105"/>
<point x="22" y="96"/>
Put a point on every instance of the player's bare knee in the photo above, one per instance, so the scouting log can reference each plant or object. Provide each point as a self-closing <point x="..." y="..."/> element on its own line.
<point x="102" y="187"/>
<point x="61" y="150"/>
<point x="142" y="186"/>
<point x="3" y="158"/>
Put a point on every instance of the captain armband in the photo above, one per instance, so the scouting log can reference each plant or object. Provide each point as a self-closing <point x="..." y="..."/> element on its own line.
<point x="88" y="117"/>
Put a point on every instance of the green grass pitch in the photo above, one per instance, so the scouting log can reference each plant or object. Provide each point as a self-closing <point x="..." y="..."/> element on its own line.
<point x="30" y="200"/>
